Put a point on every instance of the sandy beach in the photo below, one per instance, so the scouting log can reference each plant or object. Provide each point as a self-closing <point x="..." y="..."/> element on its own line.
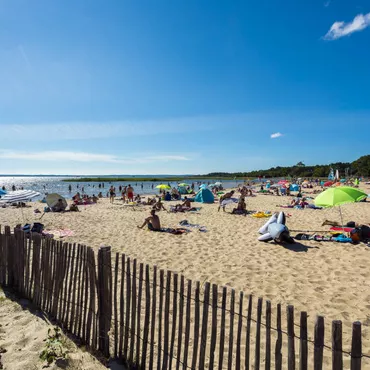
<point x="326" y="278"/>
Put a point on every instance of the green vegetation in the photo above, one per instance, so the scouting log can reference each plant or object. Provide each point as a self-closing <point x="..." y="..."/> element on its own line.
<point x="360" y="167"/>
<point x="54" y="347"/>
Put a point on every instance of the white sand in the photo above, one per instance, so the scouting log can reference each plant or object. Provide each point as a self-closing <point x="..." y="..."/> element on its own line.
<point x="325" y="278"/>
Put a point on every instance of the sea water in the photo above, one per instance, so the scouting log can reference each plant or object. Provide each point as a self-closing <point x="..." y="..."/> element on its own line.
<point x="55" y="184"/>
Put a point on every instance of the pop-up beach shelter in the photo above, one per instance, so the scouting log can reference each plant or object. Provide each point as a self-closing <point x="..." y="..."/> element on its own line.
<point x="204" y="196"/>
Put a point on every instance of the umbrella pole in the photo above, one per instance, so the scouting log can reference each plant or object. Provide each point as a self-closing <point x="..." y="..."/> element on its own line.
<point x="341" y="217"/>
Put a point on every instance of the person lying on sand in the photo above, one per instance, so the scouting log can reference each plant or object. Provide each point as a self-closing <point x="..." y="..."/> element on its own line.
<point x="152" y="221"/>
<point x="225" y="196"/>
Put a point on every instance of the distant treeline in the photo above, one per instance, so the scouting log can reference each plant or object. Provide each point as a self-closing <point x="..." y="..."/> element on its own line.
<point x="145" y="179"/>
<point x="360" y="167"/>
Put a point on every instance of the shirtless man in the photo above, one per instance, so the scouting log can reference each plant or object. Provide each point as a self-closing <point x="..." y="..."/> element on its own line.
<point x="225" y="196"/>
<point x="159" y="205"/>
<point x="184" y="206"/>
<point x="152" y="221"/>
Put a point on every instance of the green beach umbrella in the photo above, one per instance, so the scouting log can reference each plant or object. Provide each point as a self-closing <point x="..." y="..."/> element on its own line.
<point x="163" y="186"/>
<point x="183" y="184"/>
<point x="337" y="196"/>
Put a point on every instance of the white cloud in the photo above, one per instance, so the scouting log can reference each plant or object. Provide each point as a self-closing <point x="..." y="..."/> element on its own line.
<point x="85" y="130"/>
<point x="86" y="157"/>
<point x="341" y="29"/>
<point x="327" y="3"/>
<point x="276" y="135"/>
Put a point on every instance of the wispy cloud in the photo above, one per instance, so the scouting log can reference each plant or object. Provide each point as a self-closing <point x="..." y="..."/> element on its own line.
<point x="341" y="29"/>
<point x="87" y="157"/>
<point x="24" y="56"/>
<point x="276" y="135"/>
<point x="85" y="130"/>
<point x="327" y="3"/>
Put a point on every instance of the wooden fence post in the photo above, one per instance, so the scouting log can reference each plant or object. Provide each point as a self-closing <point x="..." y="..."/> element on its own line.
<point x="214" y="325"/>
<point x="279" y="340"/>
<point x="319" y="343"/>
<point x="337" y="358"/>
<point x="356" y="349"/>
<point x="303" y="342"/>
<point x="258" y="335"/>
<point x="268" y="336"/>
<point x="291" y="350"/>
<point x="248" y="333"/>
<point x="203" y="341"/>
<point x="9" y="253"/>
<point x="239" y="332"/>
<point x="104" y="298"/>
<point x="222" y="328"/>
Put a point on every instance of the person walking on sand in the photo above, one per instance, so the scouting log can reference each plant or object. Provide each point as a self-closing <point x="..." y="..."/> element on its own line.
<point x="224" y="197"/>
<point x="152" y="221"/>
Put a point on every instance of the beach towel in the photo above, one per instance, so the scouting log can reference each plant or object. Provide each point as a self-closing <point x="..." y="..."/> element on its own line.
<point x="195" y="226"/>
<point x="336" y="230"/>
<point x="61" y="233"/>
<point x="319" y="238"/>
<point x="261" y="215"/>
<point x="192" y="209"/>
<point x="174" y="231"/>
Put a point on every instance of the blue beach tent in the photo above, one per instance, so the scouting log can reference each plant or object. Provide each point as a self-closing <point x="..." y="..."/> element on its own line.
<point x="204" y="196"/>
<point x="294" y="187"/>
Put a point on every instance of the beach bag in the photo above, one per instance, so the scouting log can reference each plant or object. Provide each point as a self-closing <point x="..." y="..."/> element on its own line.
<point x="37" y="228"/>
<point x="26" y="228"/>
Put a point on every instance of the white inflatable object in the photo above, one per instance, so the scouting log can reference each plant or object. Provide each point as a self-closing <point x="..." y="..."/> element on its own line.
<point x="275" y="229"/>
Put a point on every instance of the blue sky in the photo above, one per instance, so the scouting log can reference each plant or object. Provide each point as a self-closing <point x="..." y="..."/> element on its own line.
<point x="149" y="87"/>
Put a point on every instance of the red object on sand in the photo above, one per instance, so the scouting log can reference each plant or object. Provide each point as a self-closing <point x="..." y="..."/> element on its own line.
<point x="345" y="229"/>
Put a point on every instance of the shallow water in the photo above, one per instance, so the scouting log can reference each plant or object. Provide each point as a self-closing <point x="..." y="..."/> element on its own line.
<point x="53" y="184"/>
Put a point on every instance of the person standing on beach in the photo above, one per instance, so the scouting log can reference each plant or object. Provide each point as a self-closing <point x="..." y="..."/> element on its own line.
<point x="130" y="193"/>
<point x="111" y="194"/>
<point x="123" y="193"/>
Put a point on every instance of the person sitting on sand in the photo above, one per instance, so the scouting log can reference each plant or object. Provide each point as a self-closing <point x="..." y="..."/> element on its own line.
<point x="77" y="197"/>
<point x="241" y="207"/>
<point x="294" y="202"/>
<point x="186" y="206"/>
<point x="137" y="198"/>
<point x="152" y="221"/>
<point x="303" y="203"/>
<point x="94" y="198"/>
<point x="224" y="197"/>
<point x="100" y="195"/>
<point x="159" y="205"/>
<point x="59" y="206"/>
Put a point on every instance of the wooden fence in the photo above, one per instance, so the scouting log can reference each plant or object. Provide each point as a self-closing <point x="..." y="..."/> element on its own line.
<point x="156" y="319"/>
